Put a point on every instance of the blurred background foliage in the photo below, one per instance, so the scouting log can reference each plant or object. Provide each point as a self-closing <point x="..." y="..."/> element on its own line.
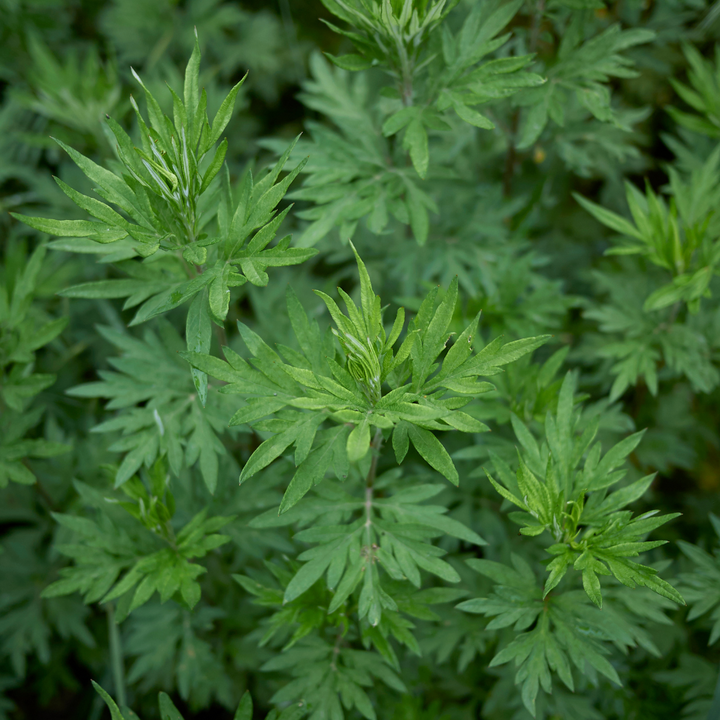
<point x="525" y="252"/>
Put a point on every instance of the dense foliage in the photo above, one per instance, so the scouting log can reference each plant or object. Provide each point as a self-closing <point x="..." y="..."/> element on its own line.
<point x="362" y="356"/>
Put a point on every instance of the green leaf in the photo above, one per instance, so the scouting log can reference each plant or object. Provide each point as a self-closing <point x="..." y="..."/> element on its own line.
<point x="190" y="591"/>
<point x="173" y="297"/>
<point x="257" y="408"/>
<point x="591" y="583"/>
<point x="309" y="573"/>
<point x="558" y="569"/>
<point x="398" y="121"/>
<point x="192" y="74"/>
<point x="268" y="451"/>
<point x="115" y="713"/>
<point x="534" y="123"/>
<point x="473" y="117"/>
<point x="245" y="709"/>
<point x="115" y="188"/>
<point x="214" y="167"/>
<point x="93" y="207"/>
<point x="368" y="299"/>
<point x="608" y="218"/>
<point x="105" y="289"/>
<point x="222" y="117"/>
<point x="416" y="142"/>
<point x="168" y="711"/>
<point x="312" y="470"/>
<point x="62" y="228"/>
<point x="433" y="452"/>
<point x="350" y="62"/>
<point x="358" y="442"/>
<point x="419" y="220"/>
<point x="401" y="441"/>
<point x="157" y="119"/>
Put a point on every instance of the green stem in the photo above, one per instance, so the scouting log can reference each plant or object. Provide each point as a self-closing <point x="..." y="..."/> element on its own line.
<point x="41" y="490"/>
<point x="511" y="156"/>
<point x="292" y="37"/>
<point x="116" y="657"/>
<point x="714" y="713"/>
<point x="406" y="71"/>
<point x="674" y="313"/>
<point x="219" y="331"/>
<point x="336" y="650"/>
<point x="375" y="446"/>
<point x="535" y="31"/>
<point x="370" y="482"/>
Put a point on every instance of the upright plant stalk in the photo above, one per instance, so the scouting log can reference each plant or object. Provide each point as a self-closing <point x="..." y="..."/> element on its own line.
<point x="375" y="445"/>
<point x="370" y="480"/>
<point x="714" y="713"/>
<point x="291" y="33"/>
<point x="116" y="656"/>
<point x="511" y="157"/>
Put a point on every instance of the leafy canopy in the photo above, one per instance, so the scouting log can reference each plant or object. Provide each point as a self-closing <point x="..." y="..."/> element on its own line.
<point x="365" y="387"/>
<point x="151" y="556"/>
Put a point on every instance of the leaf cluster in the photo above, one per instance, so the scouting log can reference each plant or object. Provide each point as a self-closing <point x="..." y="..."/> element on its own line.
<point x="167" y="199"/>
<point x="24" y="329"/>
<point x="347" y="387"/>
<point x="153" y="558"/>
<point x="592" y="531"/>
<point x="168" y="711"/>
<point x="681" y="238"/>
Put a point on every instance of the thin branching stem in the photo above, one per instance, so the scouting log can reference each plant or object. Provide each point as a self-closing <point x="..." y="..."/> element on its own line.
<point x="370" y="481"/>
<point x="336" y="649"/>
<point x="511" y="157"/>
